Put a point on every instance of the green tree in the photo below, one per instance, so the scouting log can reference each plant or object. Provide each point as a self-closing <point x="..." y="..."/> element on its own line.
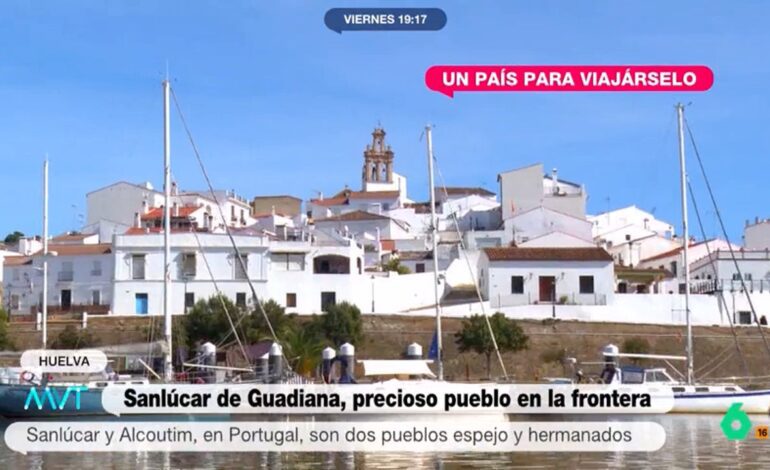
<point x="13" y="237"/>
<point x="394" y="264"/>
<point x="72" y="338"/>
<point x="207" y="321"/>
<point x="474" y="336"/>
<point x="5" y="340"/>
<point x="341" y="323"/>
<point x="636" y="345"/>
<point x="258" y="328"/>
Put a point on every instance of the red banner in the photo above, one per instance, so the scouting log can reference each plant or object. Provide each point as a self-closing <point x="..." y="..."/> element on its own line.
<point x="448" y="79"/>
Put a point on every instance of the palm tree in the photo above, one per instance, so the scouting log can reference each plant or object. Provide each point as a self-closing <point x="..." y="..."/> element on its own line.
<point x="302" y="348"/>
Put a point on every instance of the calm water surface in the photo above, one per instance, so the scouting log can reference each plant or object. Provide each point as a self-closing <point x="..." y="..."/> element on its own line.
<point x="692" y="442"/>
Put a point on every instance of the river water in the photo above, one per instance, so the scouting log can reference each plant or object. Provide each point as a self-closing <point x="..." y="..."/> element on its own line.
<point x="691" y="442"/>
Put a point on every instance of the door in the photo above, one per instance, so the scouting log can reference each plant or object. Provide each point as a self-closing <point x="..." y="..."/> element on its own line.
<point x="66" y="299"/>
<point x="141" y="304"/>
<point x="328" y="299"/>
<point x="547" y="288"/>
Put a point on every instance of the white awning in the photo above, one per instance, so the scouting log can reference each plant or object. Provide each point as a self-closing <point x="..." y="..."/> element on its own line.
<point x="397" y="367"/>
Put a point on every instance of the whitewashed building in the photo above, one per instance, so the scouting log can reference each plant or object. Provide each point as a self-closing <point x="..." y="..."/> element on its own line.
<point x="79" y="280"/>
<point x="631" y="235"/>
<point x="756" y="236"/>
<point x="529" y="187"/>
<point x="510" y="276"/>
<point x="113" y="208"/>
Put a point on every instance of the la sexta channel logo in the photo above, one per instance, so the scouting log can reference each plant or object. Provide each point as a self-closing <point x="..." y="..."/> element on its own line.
<point x="736" y="424"/>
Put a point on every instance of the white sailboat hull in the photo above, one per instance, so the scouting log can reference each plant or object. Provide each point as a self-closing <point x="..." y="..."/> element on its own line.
<point x="753" y="402"/>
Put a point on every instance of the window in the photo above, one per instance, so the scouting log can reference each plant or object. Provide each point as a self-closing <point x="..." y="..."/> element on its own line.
<point x="586" y="284"/>
<point x="673" y="268"/>
<point x="188" y="265"/>
<point x="744" y="318"/>
<point x="137" y="267"/>
<point x="517" y="284"/>
<point x="328" y="299"/>
<point x="747" y="276"/>
<point x="142" y="303"/>
<point x="15" y="301"/>
<point x="288" y="261"/>
<point x="96" y="268"/>
<point x="419" y="268"/>
<point x="240" y="299"/>
<point x="736" y="277"/>
<point x="96" y="297"/>
<point x="189" y="300"/>
<point x="291" y="299"/>
<point x="241" y="269"/>
<point x="15" y="274"/>
<point x="66" y="274"/>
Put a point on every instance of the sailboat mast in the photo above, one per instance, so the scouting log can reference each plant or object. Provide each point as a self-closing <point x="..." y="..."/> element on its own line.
<point x="167" y="364"/>
<point x="434" y="238"/>
<point x="44" y="319"/>
<point x="686" y="239"/>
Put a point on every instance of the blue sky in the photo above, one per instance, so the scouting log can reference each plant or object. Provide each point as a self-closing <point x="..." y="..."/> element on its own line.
<point x="279" y="104"/>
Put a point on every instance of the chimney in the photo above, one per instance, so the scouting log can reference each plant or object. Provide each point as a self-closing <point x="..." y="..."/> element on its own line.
<point x="555" y="179"/>
<point x="137" y="220"/>
<point x="174" y="189"/>
<point x="176" y="210"/>
<point x="145" y="207"/>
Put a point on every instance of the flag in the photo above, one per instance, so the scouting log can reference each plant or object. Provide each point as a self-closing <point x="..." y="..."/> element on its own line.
<point x="433" y="350"/>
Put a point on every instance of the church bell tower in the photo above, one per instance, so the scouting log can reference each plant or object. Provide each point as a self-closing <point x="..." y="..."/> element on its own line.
<point x="378" y="161"/>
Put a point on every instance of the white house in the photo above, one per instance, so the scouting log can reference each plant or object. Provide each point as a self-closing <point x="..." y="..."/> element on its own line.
<point x="347" y="200"/>
<point x="365" y="225"/>
<point x="121" y="204"/>
<point x="526" y="188"/>
<point x="534" y="224"/>
<point x="511" y="276"/>
<point x="138" y="270"/>
<point x="79" y="280"/>
<point x="672" y="260"/>
<point x="610" y="221"/>
<point x="756" y="236"/>
<point x="631" y="235"/>
<point x="717" y="271"/>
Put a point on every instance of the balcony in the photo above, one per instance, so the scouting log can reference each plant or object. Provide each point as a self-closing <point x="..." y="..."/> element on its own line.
<point x="65" y="276"/>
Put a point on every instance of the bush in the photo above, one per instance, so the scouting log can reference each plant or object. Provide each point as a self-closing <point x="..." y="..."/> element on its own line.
<point x="5" y="340"/>
<point x="72" y="338"/>
<point x="394" y="264"/>
<point x="555" y="355"/>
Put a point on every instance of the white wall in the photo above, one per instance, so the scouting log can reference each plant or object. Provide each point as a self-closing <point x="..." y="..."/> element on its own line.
<point x="495" y="280"/>
<point x="26" y="281"/>
<point x="756" y="236"/>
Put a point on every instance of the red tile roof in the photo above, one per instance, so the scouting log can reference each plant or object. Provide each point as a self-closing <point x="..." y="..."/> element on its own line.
<point x="388" y="245"/>
<point x="157" y="212"/>
<point x="513" y="253"/>
<point x="16" y="260"/>
<point x="675" y="251"/>
<point x="344" y="197"/>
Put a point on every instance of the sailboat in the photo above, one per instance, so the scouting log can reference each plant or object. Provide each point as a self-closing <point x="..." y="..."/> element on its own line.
<point x="689" y="396"/>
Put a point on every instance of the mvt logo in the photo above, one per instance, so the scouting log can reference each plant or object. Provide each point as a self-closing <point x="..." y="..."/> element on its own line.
<point x="51" y="396"/>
